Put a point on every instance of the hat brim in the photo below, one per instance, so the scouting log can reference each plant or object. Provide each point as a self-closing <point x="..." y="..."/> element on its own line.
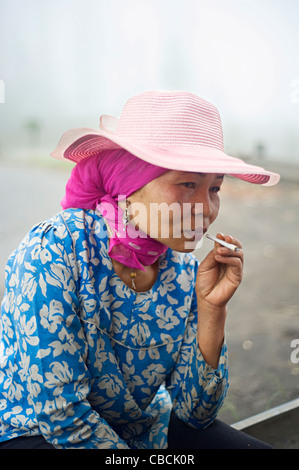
<point x="78" y="144"/>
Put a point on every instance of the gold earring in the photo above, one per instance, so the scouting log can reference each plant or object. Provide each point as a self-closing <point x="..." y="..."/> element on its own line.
<point x="125" y="218"/>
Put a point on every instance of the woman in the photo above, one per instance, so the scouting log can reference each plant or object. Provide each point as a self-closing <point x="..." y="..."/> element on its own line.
<point x="112" y="335"/>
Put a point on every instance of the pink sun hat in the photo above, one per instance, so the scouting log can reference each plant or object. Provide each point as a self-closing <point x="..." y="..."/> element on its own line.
<point x="171" y="129"/>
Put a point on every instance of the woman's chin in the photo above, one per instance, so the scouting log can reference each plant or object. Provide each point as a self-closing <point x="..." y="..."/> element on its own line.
<point x="183" y="244"/>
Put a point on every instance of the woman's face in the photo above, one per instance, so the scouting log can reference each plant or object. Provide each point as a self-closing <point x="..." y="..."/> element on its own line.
<point x="171" y="205"/>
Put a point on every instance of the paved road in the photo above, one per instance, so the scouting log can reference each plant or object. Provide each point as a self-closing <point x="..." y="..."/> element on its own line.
<point x="263" y="315"/>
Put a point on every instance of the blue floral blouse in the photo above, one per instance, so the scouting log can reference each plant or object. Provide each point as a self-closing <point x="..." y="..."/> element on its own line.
<point x="86" y="361"/>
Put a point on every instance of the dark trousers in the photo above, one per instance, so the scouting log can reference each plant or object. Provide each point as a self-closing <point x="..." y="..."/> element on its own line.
<point x="31" y="442"/>
<point x="180" y="436"/>
<point x="218" y="435"/>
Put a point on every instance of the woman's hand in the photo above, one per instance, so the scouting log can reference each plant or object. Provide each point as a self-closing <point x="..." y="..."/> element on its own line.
<point x="218" y="277"/>
<point x="219" y="274"/>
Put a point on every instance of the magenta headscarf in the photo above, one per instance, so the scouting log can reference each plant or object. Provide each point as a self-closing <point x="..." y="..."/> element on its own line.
<point x="96" y="183"/>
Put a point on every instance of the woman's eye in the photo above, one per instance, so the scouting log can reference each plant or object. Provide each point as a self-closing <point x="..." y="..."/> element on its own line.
<point x="215" y="189"/>
<point x="189" y="185"/>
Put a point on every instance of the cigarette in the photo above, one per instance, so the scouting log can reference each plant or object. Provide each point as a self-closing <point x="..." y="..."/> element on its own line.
<point x="223" y="243"/>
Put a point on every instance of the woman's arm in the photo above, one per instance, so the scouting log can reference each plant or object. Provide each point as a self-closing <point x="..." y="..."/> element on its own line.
<point x="196" y="388"/>
<point x="218" y="277"/>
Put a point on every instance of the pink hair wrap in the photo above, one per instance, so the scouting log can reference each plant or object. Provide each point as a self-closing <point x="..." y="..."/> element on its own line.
<point x="96" y="182"/>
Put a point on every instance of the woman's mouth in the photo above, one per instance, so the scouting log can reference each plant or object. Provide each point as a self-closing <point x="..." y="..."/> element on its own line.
<point x="196" y="234"/>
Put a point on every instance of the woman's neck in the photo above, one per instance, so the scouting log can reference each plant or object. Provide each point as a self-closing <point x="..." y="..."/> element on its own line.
<point x="144" y="280"/>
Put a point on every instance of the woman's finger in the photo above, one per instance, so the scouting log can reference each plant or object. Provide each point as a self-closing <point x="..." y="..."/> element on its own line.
<point x="233" y="240"/>
<point x="221" y="251"/>
<point x="230" y="262"/>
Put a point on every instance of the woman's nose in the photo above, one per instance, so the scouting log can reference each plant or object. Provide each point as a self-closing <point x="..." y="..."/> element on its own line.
<point x="207" y="208"/>
<point x="203" y="205"/>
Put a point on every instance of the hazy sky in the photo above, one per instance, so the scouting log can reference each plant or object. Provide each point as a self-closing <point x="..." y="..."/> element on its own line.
<point x="65" y="62"/>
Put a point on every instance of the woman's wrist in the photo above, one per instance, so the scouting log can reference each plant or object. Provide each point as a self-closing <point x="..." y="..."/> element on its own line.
<point x="211" y="331"/>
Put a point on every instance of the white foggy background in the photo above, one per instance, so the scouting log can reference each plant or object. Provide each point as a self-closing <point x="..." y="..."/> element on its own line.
<point x="65" y="62"/>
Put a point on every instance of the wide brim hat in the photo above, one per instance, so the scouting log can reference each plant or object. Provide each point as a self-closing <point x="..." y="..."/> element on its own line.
<point x="174" y="130"/>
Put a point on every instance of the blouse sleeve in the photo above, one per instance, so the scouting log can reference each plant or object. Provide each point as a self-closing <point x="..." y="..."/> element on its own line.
<point x="197" y="390"/>
<point x="52" y="343"/>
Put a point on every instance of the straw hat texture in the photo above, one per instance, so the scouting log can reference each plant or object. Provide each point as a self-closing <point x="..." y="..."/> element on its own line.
<point x="171" y="129"/>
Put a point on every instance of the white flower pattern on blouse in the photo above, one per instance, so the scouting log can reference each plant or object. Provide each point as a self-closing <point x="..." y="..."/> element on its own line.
<point x="86" y="361"/>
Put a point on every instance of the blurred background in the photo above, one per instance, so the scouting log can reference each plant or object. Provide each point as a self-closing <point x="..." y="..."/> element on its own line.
<point x="63" y="63"/>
